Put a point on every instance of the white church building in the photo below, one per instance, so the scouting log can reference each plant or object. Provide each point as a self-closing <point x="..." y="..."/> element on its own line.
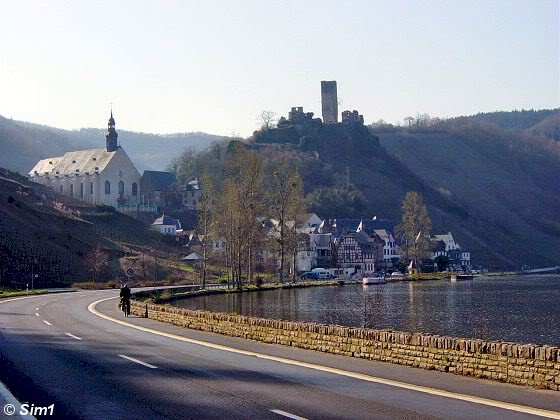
<point x="100" y="176"/>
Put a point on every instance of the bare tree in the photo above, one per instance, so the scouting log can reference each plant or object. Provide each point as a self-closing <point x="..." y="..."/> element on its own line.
<point x="409" y="121"/>
<point x="267" y="119"/>
<point x="286" y="204"/>
<point x="97" y="261"/>
<point x="239" y="205"/>
<point x="206" y="211"/>
<point x="251" y="188"/>
<point x="228" y="225"/>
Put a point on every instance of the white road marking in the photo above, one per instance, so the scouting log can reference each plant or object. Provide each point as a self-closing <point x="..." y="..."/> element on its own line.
<point x="289" y="415"/>
<point x="47" y="322"/>
<point x="73" y="336"/>
<point x="426" y="390"/>
<point x="140" y="362"/>
<point x="36" y="314"/>
<point x="36" y="309"/>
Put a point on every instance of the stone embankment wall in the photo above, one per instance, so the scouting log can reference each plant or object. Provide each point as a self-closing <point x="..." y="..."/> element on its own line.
<point x="522" y="364"/>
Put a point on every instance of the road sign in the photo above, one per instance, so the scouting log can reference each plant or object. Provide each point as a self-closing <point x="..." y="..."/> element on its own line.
<point x="129" y="272"/>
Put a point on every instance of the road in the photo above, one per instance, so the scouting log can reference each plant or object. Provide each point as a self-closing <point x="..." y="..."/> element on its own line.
<point x="94" y="363"/>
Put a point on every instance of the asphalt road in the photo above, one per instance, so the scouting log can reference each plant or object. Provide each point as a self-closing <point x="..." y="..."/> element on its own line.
<point x="54" y="350"/>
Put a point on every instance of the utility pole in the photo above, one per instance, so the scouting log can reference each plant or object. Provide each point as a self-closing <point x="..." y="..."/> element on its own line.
<point x="33" y="275"/>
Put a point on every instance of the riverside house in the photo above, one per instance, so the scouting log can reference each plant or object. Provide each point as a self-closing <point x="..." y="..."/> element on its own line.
<point x="359" y="252"/>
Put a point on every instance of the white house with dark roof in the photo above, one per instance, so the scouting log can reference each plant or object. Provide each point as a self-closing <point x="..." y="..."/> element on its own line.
<point x="390" y="249"/>
<point x="99" y="176"/>
<point x="167" y="225"/>
<point x="445" y="246"/>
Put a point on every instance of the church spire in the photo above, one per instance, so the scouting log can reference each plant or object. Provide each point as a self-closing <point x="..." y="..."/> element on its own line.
<point x="111" y="136"/>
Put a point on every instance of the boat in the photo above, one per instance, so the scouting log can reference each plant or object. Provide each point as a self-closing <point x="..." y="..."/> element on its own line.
<point x="396" y="276"/>
<point x="373" y="280"/>
<point x="461" y="277"/>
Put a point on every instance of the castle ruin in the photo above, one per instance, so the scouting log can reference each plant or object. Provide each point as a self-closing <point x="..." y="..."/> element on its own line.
<point x="329" y="102"/>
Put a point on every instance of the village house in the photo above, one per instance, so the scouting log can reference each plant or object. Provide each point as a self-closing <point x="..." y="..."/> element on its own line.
<point x="390" y="249"/>
<point x="159" y="187"/>
<point x="306" y="258"/>
<point x="322" y="250"/>
<point x="309" y="221"/>
<point x="359" y="252"/>
<point x="167" y="226"/>
<point x="444" y="246"/>
<point x="190" y="194"/>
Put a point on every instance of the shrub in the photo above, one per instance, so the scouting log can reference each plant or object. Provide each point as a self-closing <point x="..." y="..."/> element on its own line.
<point x="90" y="285"/>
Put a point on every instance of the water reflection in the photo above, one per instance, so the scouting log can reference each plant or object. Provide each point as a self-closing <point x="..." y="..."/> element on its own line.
<point x="524" y="309"/>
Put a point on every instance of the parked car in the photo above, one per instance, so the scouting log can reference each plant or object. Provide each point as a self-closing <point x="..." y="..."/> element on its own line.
<point x="323" y="273"/>
<point x="309" y="275"/>
<point x="317" y="275"/>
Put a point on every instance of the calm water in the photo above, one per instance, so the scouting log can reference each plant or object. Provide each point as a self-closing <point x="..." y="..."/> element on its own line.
<point x="521" y="309"/>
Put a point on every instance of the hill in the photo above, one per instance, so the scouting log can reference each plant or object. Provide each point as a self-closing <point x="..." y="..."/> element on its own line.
<point x="54" y="234"/>
<point x="514" y="120"/>
<point x="540" y="123"/>
<point x="506" y="178"/>
<point x="22" y="144"/>
<point x="495" y="189"/>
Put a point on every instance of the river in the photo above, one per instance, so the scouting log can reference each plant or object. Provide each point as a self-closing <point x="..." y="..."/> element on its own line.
<point x="515" y="308"/>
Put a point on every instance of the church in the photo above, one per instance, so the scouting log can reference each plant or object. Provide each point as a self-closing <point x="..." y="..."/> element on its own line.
<point x="99" y="176"/>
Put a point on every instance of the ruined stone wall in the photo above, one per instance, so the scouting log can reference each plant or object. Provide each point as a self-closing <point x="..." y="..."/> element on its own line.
<point x="522" y="364"/>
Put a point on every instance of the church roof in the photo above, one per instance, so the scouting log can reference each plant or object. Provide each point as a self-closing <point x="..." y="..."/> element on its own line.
<point x="74" y="163"/>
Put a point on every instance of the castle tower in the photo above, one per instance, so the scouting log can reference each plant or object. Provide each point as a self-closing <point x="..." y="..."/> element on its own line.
<point x="329" y="102"/>
<point x="111" y="136"/>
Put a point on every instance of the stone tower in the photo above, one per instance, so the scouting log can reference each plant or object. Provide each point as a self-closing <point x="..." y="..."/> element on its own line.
<point x="111" y="136"/>
<point x="329" y="102"/>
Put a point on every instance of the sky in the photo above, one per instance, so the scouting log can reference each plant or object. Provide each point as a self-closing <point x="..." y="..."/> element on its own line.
<point x="180" y="66"/>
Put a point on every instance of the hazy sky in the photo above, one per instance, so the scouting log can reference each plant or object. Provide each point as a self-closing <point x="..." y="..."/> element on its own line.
<point x="174" y="66"/>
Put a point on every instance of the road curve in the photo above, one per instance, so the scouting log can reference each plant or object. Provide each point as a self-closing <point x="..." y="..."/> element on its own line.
<point x="97" y="364"/>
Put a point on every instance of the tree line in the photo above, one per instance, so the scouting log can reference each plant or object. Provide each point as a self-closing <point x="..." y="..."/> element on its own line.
<point x="253" y="208"/>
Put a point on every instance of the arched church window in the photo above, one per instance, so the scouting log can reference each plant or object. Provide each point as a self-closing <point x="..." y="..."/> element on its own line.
<point x="107" y="187"/>
<point x="121" y="188"/>
<point x="61" y="189"/>
<point x="71" y="190"/>
<point x="134" y="189"/>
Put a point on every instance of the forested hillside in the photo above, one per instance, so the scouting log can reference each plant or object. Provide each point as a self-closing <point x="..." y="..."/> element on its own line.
<point x="23" y="144"/>
<point x="498" y="193"/>
<point x="514" y="120"/>
<point x="541" y="123"/>
<point x="509" y="178"/>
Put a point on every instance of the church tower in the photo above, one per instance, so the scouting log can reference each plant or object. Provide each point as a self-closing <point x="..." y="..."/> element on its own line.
<point x="111" y="136"/>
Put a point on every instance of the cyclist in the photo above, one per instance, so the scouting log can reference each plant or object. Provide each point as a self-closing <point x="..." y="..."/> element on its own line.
<point x="125" y="299"/>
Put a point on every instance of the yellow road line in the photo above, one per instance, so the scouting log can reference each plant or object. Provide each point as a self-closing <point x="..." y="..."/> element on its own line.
<point x="426" y="390"/>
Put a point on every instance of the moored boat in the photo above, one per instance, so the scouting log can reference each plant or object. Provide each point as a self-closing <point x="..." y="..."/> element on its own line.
<point x="461" y="277"/>
<point x="373" y="280"/>
<point x="397" y="276"/>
